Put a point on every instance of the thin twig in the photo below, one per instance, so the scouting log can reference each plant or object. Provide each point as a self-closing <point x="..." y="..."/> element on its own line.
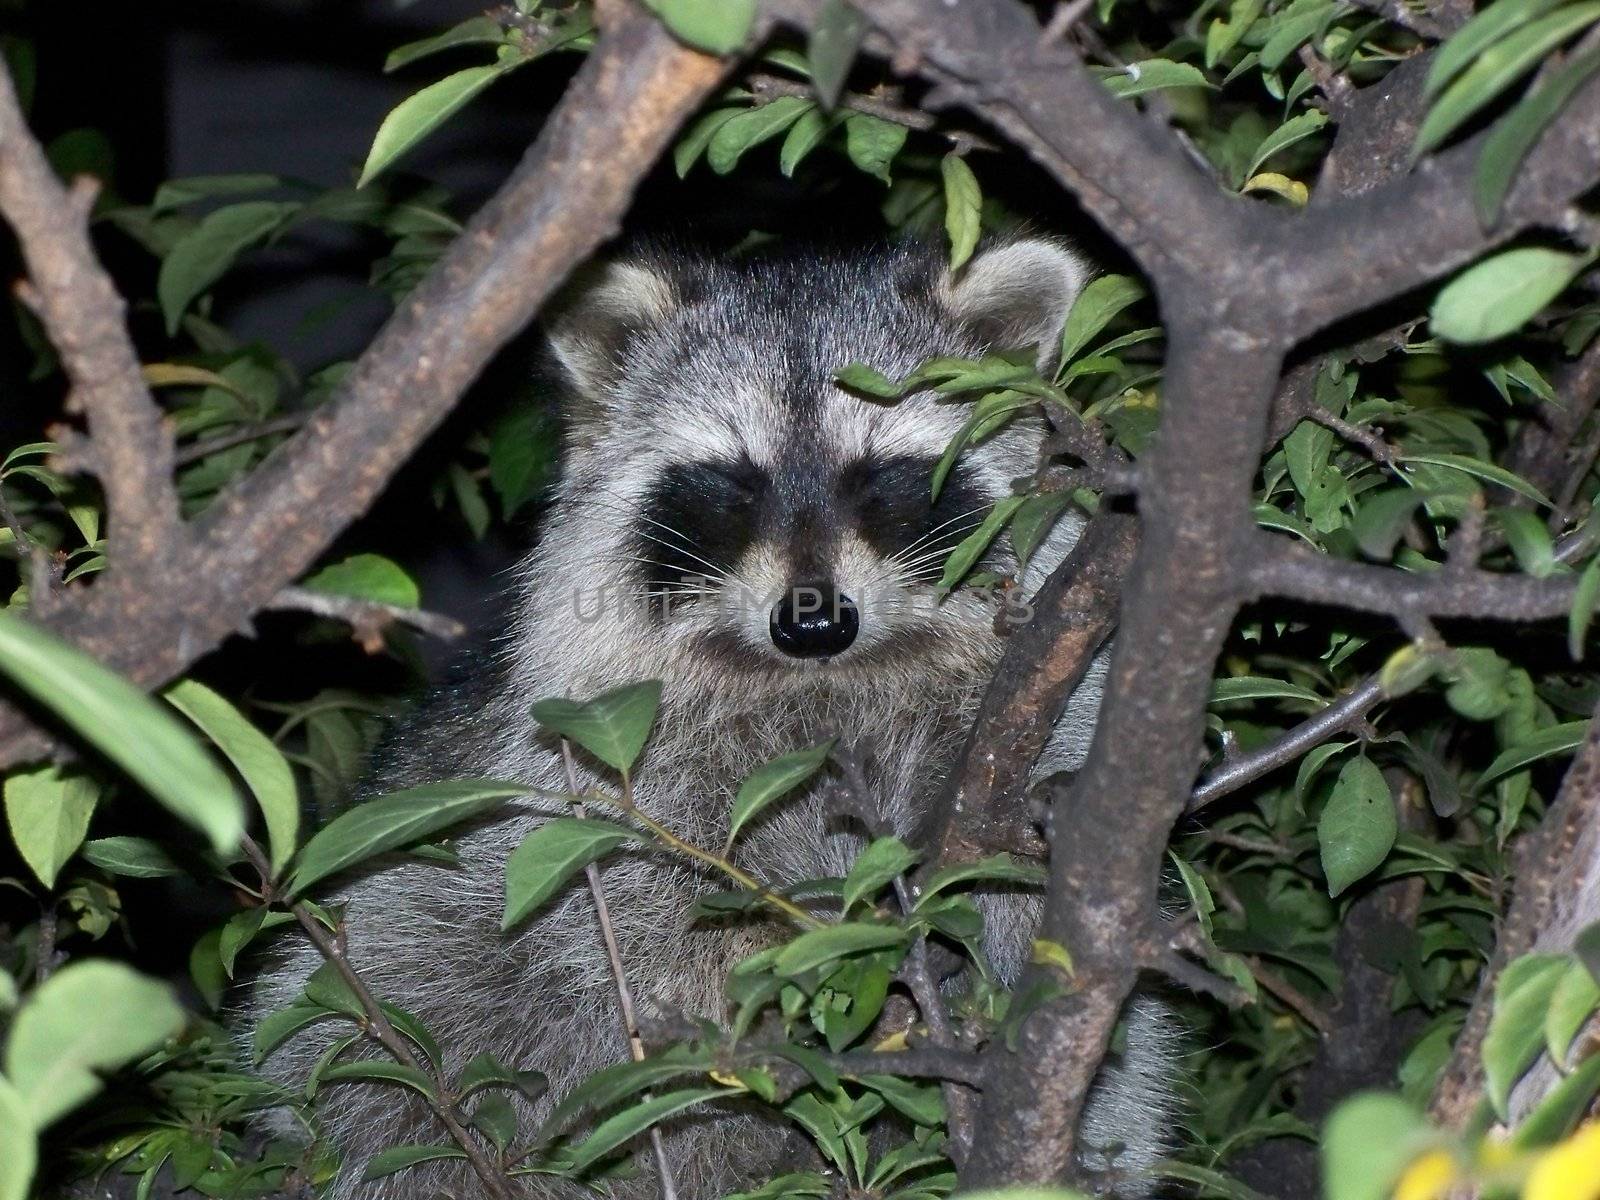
<point x="619" y="973"/>
<point x="880" y="106"/>
<point x="195" y="451"/>
<point x="42" y="575"/>
<point x="379" y="1028"/>
<point x="367" y="618"/>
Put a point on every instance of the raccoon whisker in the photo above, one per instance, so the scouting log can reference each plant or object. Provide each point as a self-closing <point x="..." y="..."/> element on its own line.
<point x="714" y="580"/>
<point x="936" y="530"/>
<point x="684" y="544"/>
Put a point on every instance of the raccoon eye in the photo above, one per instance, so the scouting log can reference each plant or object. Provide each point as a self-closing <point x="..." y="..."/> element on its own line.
<point x="723" y="484"/>
<point x="901" y="484"/>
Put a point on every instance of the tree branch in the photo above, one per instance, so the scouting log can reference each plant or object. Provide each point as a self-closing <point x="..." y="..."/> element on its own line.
<point x="163" y="611"/>
<point x="81" y="311"/>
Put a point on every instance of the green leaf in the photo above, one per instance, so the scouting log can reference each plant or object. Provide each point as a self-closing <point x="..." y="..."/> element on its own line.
<point x="997" y="868"/>
<point x="1094" y="309"/>
<point x="802" y="139"/>
<point x="1291" y="27"/>
<point x="1296" y="129"/>
<point x="774" y="779"/>
<point x="1381" y="520"/>
<point x="242" y="929"/>
<point x="629" y="1123"/>
<point x="203" y="255"/>
<point x="875" y="867"/>
<point x="1498" y="67"/>
<point x="1036" y="518"/>
<point x="19" y="1146"/>
<point x="831" y="48"/>
<point x="1529" y="540"/>
<point x="919" y="1101"/>
<point x="1499" y="294"/>
<point x="693" y="143"/>
<point x="415" y="117"/>
<point x="1477" y="35"/>
<point x="366" y="577"/>
<point x="475" y="31"/>
<point x="1561" y="1108"/>
<point x="1514" y="135"/>
<point x="175" y="193"/>
<point x="1574" y="1000"/>
<point x="398" y="1158"/>
<point x="972" y="547"/>
<point x="1584" y="598"/>
<point x="260" y="763"/>
<point x="1199" y="893"/>
<point x="393" y="821"/>
<point x="1358" y="825"/>
<point x="1154" y="74"/>
<point x="48" y="810"/>
<point x="611" y="1084"/>
<point x="1485" y="471"/>
<point x="523" y="450"/>
<point x="89" y="1016"/>
<point x="381" y="1070"/>
<point x="552" y="854"/>
<point x="129" y="728"/>
<point x="872" y="143"/>
<point x="822" y="946"/>
<point x="277" y="1027"/>
<point x="1516" y="1029"/>
<point x="487" y="1071"/>
<point x="963" y="208"/>
<point x="1547" y="743"/>
<point x="1367" y="1143"/>
<point x="1480" y="682"/>
<point x="1257" y="687"/>
<point x="717" y="26"/>
<point x="131" y="857"/>
<point x="752" y="127"/>
<point x="613" y="726"/>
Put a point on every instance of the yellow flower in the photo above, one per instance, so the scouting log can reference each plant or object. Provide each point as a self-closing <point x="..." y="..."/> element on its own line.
<point x="1428" y="1177"/>
<point x="1570" y="1171"/>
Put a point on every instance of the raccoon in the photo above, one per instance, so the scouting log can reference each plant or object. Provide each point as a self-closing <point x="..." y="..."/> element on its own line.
<point x="733" y="523"/>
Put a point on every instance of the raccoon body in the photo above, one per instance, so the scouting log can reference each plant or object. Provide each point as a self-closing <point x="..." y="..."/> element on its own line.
<point x="732" y="523"/>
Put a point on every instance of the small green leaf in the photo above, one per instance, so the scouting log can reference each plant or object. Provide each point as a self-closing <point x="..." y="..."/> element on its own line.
<point x="474" y="31"/>
<point x="752" y="127"/>
<point x="716" y="26"/>
<point x="1358" y="825"/>
<point x="1094" y="309"/>
<point x="872" y="143"/>
<point x="1296" y="129"/>
<point x="125" y="725"/>
<point x="175" y="193"/>
<point x="382" y="1070"/>
<point x="1514" y="135"/>
<point x="831" y="48"/>
<point x="1584" y="598"/>
<point x="203" y="255"/>
<point x="875" y="867"/>
<point x="609" y="1085"/>
<point x="1259" y="687"/>
<point x="1498" y="67"/>
<point x="1547" y="743"/>
<point x="997" y="868"/>
<point x="613" y="726"/>
<point x="393" y="821"/>
<point x="1480" y="682"/>
<point x="972" y="547"/>
<point x="802" y="138"/>
<point x="822" y="946"/>
<point x="366" y="577"/>
<point x="487" y="1071"/>
<point x="1574" y="1000"/>
<point x="693" y="143"/>
<point x="1499" y="294"/>
<point x="631" y="1122"/>
<point x="415" y="117"/>
<point x="48" y="810"/>
<point x="260" y="764"/>
<point x="774" y="779"/>
<point x="1477" y="35"/>
<point x="1562" y="1107"/>
<point x="552" y="854"/>
<point x="398" y="1158"/>
<point x="1154" y="74"/>
<point x="19" y="1145"/>
<point x="1516" y="1028"/>
<point x="90" y="1016"/>
<point x="1036" y="518"/>
<point x="277" y="1027"/>
<point x="963" y="208"/>
<point x="1381" y="520"/>
<point x="1529" y="540"/>
<point x="1485" y="471"/>
<point x="130" y="857"/>
<point x="1367" y="1143"/>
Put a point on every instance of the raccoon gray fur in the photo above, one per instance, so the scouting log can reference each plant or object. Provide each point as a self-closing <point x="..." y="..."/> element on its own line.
<point x="709" y="459"/>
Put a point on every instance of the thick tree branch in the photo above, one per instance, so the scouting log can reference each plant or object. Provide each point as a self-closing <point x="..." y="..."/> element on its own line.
<point x="81" y="311"/>
<point x="567" y="196"/>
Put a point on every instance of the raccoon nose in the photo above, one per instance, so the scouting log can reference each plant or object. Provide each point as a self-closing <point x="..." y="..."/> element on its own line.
<point x="814" y="620"/>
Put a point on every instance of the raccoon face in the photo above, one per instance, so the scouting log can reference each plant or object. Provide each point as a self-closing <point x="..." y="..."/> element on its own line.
<point x="748" y="508"/>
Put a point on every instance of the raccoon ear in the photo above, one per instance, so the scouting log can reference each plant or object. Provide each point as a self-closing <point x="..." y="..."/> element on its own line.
<point x="601" y="309"/>
<point x="1018" y="293"/>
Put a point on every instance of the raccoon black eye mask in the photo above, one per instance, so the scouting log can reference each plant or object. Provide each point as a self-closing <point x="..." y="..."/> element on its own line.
<point x="709" y="458"/>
